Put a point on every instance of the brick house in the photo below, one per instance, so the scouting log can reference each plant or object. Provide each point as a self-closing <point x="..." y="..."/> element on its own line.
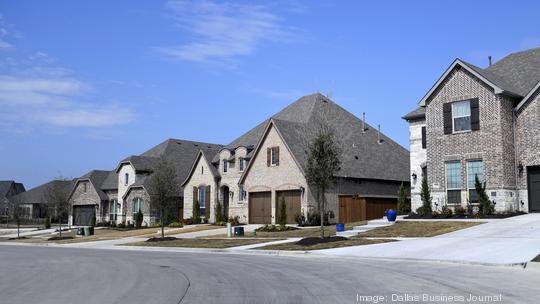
<point x="7" y="190"/>
<point x="250" y="176"/>
<point x="480" y="122"/>
<point x="35" y="203"/>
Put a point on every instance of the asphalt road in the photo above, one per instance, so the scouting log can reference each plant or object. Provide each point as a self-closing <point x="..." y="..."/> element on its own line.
<point x="69" y="275"/>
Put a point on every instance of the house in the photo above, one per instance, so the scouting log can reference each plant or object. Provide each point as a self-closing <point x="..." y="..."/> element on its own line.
<point x="7" y="190"/>
<point x="480" y="122"/>
<point x="35" y="203"/>
<point x="94" y="194"/>
<point x="250" y="176"/>
<point x="134" y="174"/>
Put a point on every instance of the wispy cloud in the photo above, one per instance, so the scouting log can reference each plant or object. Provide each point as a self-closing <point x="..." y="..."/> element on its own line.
<point x="3" y="34"/>
<point x="222" y="31"/>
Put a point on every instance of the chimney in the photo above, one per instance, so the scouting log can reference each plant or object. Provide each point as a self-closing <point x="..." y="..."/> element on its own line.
<point x="364" y="122"/>
<point x="379" y="134"/>
<point x="489" y="58"/>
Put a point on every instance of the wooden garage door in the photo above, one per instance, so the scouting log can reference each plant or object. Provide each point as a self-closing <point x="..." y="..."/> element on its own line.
<point x="260" y="208"/>
<point x="82" y="215"/>
<point x="292" y="202"/>
<point x="353" y="208"/>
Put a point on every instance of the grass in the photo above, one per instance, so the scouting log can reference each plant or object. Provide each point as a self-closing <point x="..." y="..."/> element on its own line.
<point x="536" y="259"/>
<point x="203" y="243"/>
<point x="302" y="233"/>
<point x="417" y="229"/>
<point x="338" y="244"/>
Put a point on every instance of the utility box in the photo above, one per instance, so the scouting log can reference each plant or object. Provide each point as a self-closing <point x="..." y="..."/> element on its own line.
<point x="238" y="231"/>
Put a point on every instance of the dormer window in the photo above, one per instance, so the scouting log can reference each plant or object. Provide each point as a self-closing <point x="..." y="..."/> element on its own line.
<point x="241" y="164"/>
<point x="225" y="166"/>
<point x="85" y="187"/>
<point x="272" y="156"/>
<point x="126" y="179"/>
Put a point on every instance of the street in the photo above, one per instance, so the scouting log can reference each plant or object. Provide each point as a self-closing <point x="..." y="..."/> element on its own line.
<point x="75" y="275"/>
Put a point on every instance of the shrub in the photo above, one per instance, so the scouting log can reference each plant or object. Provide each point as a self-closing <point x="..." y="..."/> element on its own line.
<point x="47" y="223"/>
<point x="403" y="204"/>
<point x="176" y="225"/>
<point x="283" y="213"/>
<point x="138" y="219"/>
<point x="470" y="208"/>
<point x="113" y="224"/>
<point x="485" y="206"/>
<point x="155" y="225"/>
<point x="447" y="212"/>
<point x="196" y="212"/>
<point x="425" y="195"/>
<point x="300" y="219"/>
<point x="460" y="210"/>
<point x="235" y="221"/>
<point x="434" y="213"/>
<point x="188" y="221"/>
<point x="121" y="225"/>
<point x="313" y="218"/>
<point x="218" y="213"/>
<point x="274" y="228"/>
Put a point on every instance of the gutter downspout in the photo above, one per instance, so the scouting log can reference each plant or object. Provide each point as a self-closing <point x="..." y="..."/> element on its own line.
<point x="516" y="173"/>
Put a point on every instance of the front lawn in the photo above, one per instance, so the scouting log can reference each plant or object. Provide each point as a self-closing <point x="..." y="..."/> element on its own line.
<point x="417" y="229"/>
<point x="330" y="245"/>
<point x="203" y="243"/>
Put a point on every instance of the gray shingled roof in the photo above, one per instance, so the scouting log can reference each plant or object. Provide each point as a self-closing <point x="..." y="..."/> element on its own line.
<point x="496" y="79"/>
<point x="6" y="186"/>
<point x="97" y="178"/>
<point x="520" y="69"/>
<point x="418" y="113"/>
<point x="110" y="182"/>
<point x="38" y="195"/>
<point x="179" y="153"/>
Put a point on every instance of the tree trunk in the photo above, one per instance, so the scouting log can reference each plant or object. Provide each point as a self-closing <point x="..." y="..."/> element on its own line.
<point x="162" y="226"/>
<point x="18" y="229"/>
<point x="321" y="207"/>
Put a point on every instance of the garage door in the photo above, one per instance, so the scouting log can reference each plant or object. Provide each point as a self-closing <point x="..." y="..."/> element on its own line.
<point x="260" y="208"/>
<point x="534" y="188"/>
<point x="82" y="215"/>
<point x="354" y="209"/>
<point x="292" y="202"/>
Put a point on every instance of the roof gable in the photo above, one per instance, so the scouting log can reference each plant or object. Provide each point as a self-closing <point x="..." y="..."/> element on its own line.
<point x="200" y="157"/>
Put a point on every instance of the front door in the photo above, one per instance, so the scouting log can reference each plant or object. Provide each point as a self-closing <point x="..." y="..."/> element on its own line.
<point x="533" y="181"/>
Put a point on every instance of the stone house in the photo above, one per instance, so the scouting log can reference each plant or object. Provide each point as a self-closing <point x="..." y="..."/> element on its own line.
<point x="250" y="176"/>
<point x="35" y="202"/>
<point x="7" y="190"/>
<point x="480" y="122"/>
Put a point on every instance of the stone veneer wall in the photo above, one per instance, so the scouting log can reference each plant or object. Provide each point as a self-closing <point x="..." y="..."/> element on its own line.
<point x="197" y="179"/>
<point x="528" y="144"/>
<point x="418" y="158"/>
<point x="492" y="143"/>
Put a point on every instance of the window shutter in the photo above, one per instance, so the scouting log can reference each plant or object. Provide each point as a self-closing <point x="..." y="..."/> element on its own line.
<point x="277" y="156"/>
<point x="207" y="201"/>
<point x="195" y="195"/>
<point x="475" y="115"/>
<point x="423" y="137"/>
<point x="268" y="157"/>
<point x="447" y="118"/>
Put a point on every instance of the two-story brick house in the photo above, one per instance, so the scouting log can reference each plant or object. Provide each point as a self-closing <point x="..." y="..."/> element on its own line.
<point x="251" y="175"/>
<point x="480" y="122"/>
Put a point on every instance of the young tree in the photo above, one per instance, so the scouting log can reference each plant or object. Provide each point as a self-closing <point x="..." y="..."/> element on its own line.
<point x="282" y="212"/>
<point x="57" y="198"/>
<point x="196" y="212"/>
<point x="425" y="196"/>
<point x="17" y="214"/>
<point x="139" y="217"/>
<point x="218" y="213"/>
<point x="485" y="206"/>
<point x="323" y="162"/>
<point x="163" y="189"/>
<point x="402" y="205"/>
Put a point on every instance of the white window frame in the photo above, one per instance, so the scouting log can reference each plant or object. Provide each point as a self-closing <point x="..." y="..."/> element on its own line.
<point x="242" y="194"/>
<point x="454" y="117"/>
<point x="113" y="210"/>
<point x="446" y="181"/>
<point x="140" y="204"/>
<point x="273" y="158"/>
<point x="203" y="201"/>
<point x="482" y="180"/>
<point x="241" y="164"/>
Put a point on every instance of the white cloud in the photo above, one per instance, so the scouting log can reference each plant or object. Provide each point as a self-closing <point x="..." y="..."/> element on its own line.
<point x="223" y="30"/>
<point x="4" y="45"/>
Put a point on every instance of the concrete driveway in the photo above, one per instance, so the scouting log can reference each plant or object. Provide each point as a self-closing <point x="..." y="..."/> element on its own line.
<point x="514" y="240"/>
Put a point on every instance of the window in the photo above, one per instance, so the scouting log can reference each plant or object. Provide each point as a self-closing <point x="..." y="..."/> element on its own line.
<point x="113" y="210"/>
<point x="225" y="165"/>
<point x="474" y="168"/>
<point x="137" y="205"/>
<point x="423" y="137"/>
<point x="202" y="170"/>
<point x="241" y="194"/>
<point x="202" y="200"/>
<point x="453" y="182"/>
<point x="241" y="164"/>
<point x="126" y="179"/>
<point x="461" y="116"/>
<point x="85" y="185"/>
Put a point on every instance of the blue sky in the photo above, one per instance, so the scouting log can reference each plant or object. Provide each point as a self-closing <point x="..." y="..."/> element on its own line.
<point x="85" y="84"/>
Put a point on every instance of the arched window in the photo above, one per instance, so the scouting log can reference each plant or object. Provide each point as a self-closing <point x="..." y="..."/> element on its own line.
<point x="137" y="205"/>
<point x="114" y="206"/>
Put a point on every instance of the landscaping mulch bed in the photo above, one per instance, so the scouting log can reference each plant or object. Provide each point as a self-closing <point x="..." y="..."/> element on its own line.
<point x="17" y="238"/>
<point x="161" y="239"/>
<point x="417" y="229"/>
<point x="415" y="216"/>
<point x="275" y="228"/>
<point x="333" y="243"/>
<point x="310" y="241"/>
<point x="57" y="238"/>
